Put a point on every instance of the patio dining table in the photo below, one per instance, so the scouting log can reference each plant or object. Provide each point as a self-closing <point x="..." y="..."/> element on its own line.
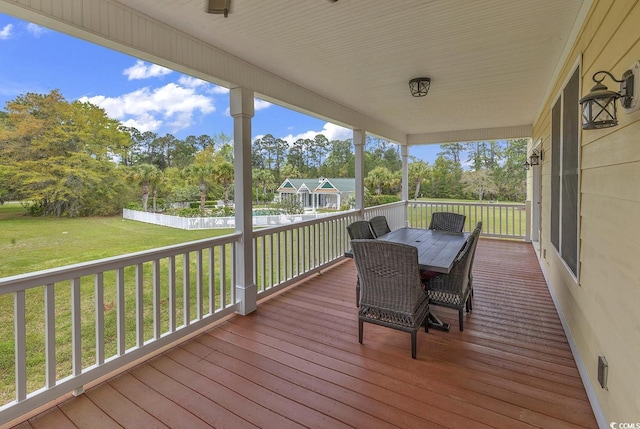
<point x="437" y="251"/>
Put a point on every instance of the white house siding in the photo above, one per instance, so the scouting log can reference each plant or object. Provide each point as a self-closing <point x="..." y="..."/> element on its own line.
<point x="601" y="305"/>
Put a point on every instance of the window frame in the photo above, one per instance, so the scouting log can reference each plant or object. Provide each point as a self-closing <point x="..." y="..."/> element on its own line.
<point x="559" y="176"/>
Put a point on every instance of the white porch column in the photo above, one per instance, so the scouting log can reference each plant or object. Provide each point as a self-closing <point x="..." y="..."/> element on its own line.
<point x="404" y="154"/>
<point x="358" y="143"/>
<point x="241" y="107"/>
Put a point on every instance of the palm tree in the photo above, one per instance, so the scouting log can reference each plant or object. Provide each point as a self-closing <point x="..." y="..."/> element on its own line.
<point x="223" y="174"/>
<point x="200" y="174"/>
<point x="145" y="175"/>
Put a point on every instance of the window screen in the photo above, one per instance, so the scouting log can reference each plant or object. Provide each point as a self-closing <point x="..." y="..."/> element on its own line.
<point x="565" y="150"/>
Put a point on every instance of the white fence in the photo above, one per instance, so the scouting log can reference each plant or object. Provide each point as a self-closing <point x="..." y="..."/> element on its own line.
<point x="193" y="223"/>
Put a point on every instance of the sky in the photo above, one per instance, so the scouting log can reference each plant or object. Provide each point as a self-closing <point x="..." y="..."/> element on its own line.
<point x="138" y="93"/>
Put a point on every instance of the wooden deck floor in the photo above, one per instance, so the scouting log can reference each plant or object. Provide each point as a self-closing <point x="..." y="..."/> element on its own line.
<point x="296" y="362"/>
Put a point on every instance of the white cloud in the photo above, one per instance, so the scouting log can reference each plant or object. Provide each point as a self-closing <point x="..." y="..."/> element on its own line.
<point x="36" y="30"/>
<point x="329" y="130"/>
<point x="217" y="89"/>
<point x="191" y="82"/>
<point x="5" y="33"/>
<point x="260" y="104"/>
<point x="140" y="70"/>
<point x="149" y="109"/>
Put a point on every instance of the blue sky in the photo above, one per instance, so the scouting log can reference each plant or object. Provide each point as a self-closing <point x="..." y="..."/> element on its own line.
<point x="138" y="93"/>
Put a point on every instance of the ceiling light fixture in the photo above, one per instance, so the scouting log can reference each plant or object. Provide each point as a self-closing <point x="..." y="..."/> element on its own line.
<point x="219" y="7"/>
<point x="419" y="86"/>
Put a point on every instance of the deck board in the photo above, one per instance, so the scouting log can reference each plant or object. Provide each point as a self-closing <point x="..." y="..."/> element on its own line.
<point x="296" y="362"/>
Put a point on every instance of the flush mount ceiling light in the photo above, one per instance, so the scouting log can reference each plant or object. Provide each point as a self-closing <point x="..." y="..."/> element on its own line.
<point x="599" y="106"/>
<point x="219" y="7"/>
<point x="419" y="86"/>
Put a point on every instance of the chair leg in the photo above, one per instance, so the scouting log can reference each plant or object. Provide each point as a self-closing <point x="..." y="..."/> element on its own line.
<point x="360" y="326"/>
<point x="358" y="292"/>
<point x="413" y="344"/>
<point x="461" y="318"/>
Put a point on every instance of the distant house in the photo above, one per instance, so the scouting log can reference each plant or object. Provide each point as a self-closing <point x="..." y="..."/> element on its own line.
<point x="318" y="193"/>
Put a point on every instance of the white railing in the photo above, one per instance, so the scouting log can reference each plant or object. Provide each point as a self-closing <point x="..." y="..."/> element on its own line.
<point x="195" y="223"/>
<point x="84" y="321"/>
<point x="87" y="320"/>
<point x="498" y="220"/>
<point x="284" y="255"/>
<point x="395" y="213"/>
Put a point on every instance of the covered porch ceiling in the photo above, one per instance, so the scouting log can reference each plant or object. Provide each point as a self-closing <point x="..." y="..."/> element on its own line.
<point x="490" y="62"/>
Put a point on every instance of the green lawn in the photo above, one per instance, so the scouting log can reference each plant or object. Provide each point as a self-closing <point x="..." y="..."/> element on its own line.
<point x="34" y="243"/>
<point x="30" y="244"/>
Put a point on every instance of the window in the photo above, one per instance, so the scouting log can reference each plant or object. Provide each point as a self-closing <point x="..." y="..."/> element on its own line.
<point x="565" y="150"/>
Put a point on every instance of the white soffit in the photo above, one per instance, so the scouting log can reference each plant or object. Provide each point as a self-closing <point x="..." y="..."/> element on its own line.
<point x="490" y="61"/>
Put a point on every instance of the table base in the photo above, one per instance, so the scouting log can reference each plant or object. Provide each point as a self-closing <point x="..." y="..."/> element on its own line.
<point x="435" y="323"/>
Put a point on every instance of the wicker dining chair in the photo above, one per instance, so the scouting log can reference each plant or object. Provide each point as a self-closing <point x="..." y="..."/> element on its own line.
<point x="379" y="225"/>
<point x="360" y="229"/>
<point x="392" y="294"/>
<point x="452" y="290"/>
<point x="447" y="221"/>
<point x="476" y="234"/>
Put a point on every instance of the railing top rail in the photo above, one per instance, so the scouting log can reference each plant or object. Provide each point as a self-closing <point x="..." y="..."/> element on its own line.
<point x="38" y="278"/>
<point x="268" y="230"/>
<point x="466" y="203"/>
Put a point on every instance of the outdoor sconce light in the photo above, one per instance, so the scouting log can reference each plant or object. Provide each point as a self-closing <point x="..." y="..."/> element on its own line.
<point x="599" y="105"/>
<point x="535" y="157"/>
<point x="219" y="7"/>
<point x="526" y="165"/>
<point x="419" y="86"/>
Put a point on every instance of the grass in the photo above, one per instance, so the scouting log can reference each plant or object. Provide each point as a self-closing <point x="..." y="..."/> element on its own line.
<point x="30" y="244"/>
<point x="34" y="243"/>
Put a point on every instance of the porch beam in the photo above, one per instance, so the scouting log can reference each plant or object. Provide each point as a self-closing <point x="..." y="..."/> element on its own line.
<point x="242" y="110"/>
<point x="404" y="154"/>
<point x="358" y="142"/>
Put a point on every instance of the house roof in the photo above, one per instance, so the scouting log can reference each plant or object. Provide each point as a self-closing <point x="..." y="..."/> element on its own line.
<point x="341" y="185"/>
<point x="490" y="62"/>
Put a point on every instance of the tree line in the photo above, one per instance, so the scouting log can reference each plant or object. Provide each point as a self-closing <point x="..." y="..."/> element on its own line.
<point x="65" y="158"/>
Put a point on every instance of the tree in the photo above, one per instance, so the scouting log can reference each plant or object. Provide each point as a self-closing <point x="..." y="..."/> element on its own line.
<point x="223" y="173"/>
<point x="146" y="176"/>
<point x="58" y="155"/>
<point x="341" y="160"/>
<point x="452" y="151"/>
<point x="262" y="180"/>
<point x="419" y="172"/>
<point x="379" y="178"/>
<point x="201" y="172"/>
<point x="479" y="182"/>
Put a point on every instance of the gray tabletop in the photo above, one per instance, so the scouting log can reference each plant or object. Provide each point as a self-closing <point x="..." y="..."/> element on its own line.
<point x="436" y="249"/>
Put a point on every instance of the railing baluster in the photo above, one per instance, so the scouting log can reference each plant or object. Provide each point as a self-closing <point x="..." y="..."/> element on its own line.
<point x="199" y="284"/>
<point x="76" y="330"/>
<point x="50" y="334"/>
<point x="99" y="306"/>
<point x="171" y="281"/>
<point x="186" y="289"/>
<point x="156" y="299"/>
<point x="223" y="278"/>
<point x="212" y="279"/>
<point x="139" y="305"/>
<point x="122" y="345"/>
<point x="20" y="338"/>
